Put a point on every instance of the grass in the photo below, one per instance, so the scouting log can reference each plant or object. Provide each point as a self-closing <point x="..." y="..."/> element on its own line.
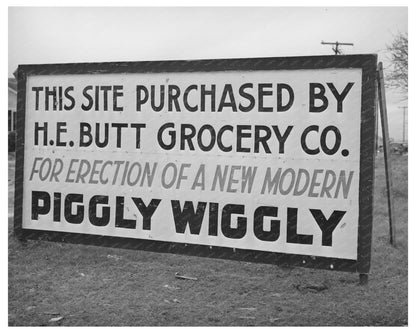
<point x="96" y="286"/>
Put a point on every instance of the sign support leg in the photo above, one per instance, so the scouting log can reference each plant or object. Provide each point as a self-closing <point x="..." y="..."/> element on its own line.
<point x="363" y="279"/>
<point x="376" y="121"/>
<point x="386" y="150"/>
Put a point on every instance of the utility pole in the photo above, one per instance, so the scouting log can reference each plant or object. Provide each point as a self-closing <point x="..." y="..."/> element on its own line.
<point x="404" y="122"/>
<point x="335" y="46"/>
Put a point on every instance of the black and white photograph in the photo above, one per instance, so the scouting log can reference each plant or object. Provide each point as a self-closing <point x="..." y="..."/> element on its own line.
<point x="207" y="165"/>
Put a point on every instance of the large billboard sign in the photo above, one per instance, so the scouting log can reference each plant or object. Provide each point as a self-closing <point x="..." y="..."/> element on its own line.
<point x="267" y="160"/>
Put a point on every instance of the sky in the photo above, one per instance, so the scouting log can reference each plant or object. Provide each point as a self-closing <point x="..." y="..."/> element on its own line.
<point x="38" y="35"/>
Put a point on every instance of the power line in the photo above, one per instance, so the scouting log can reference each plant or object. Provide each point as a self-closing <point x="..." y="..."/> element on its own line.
<point x="335" y="46"/>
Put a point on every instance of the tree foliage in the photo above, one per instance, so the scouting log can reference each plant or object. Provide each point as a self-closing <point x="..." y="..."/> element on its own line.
<point x="398" y="54"/>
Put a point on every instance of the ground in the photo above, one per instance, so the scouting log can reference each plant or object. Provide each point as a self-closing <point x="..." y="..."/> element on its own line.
<point x="75" y="285"/>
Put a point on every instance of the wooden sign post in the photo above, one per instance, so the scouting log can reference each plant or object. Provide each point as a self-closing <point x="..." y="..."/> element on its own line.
<point x="386" y="151"/>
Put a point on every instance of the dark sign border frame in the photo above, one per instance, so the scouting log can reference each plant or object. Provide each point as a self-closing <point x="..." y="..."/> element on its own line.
<point x="366" y="62"/>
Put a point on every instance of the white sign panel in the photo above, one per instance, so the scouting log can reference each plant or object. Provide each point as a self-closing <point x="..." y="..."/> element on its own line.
<point x="263" y="160"/>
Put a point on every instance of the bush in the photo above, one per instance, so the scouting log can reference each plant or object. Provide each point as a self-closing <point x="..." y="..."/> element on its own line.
<point x="12" y="141"/>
